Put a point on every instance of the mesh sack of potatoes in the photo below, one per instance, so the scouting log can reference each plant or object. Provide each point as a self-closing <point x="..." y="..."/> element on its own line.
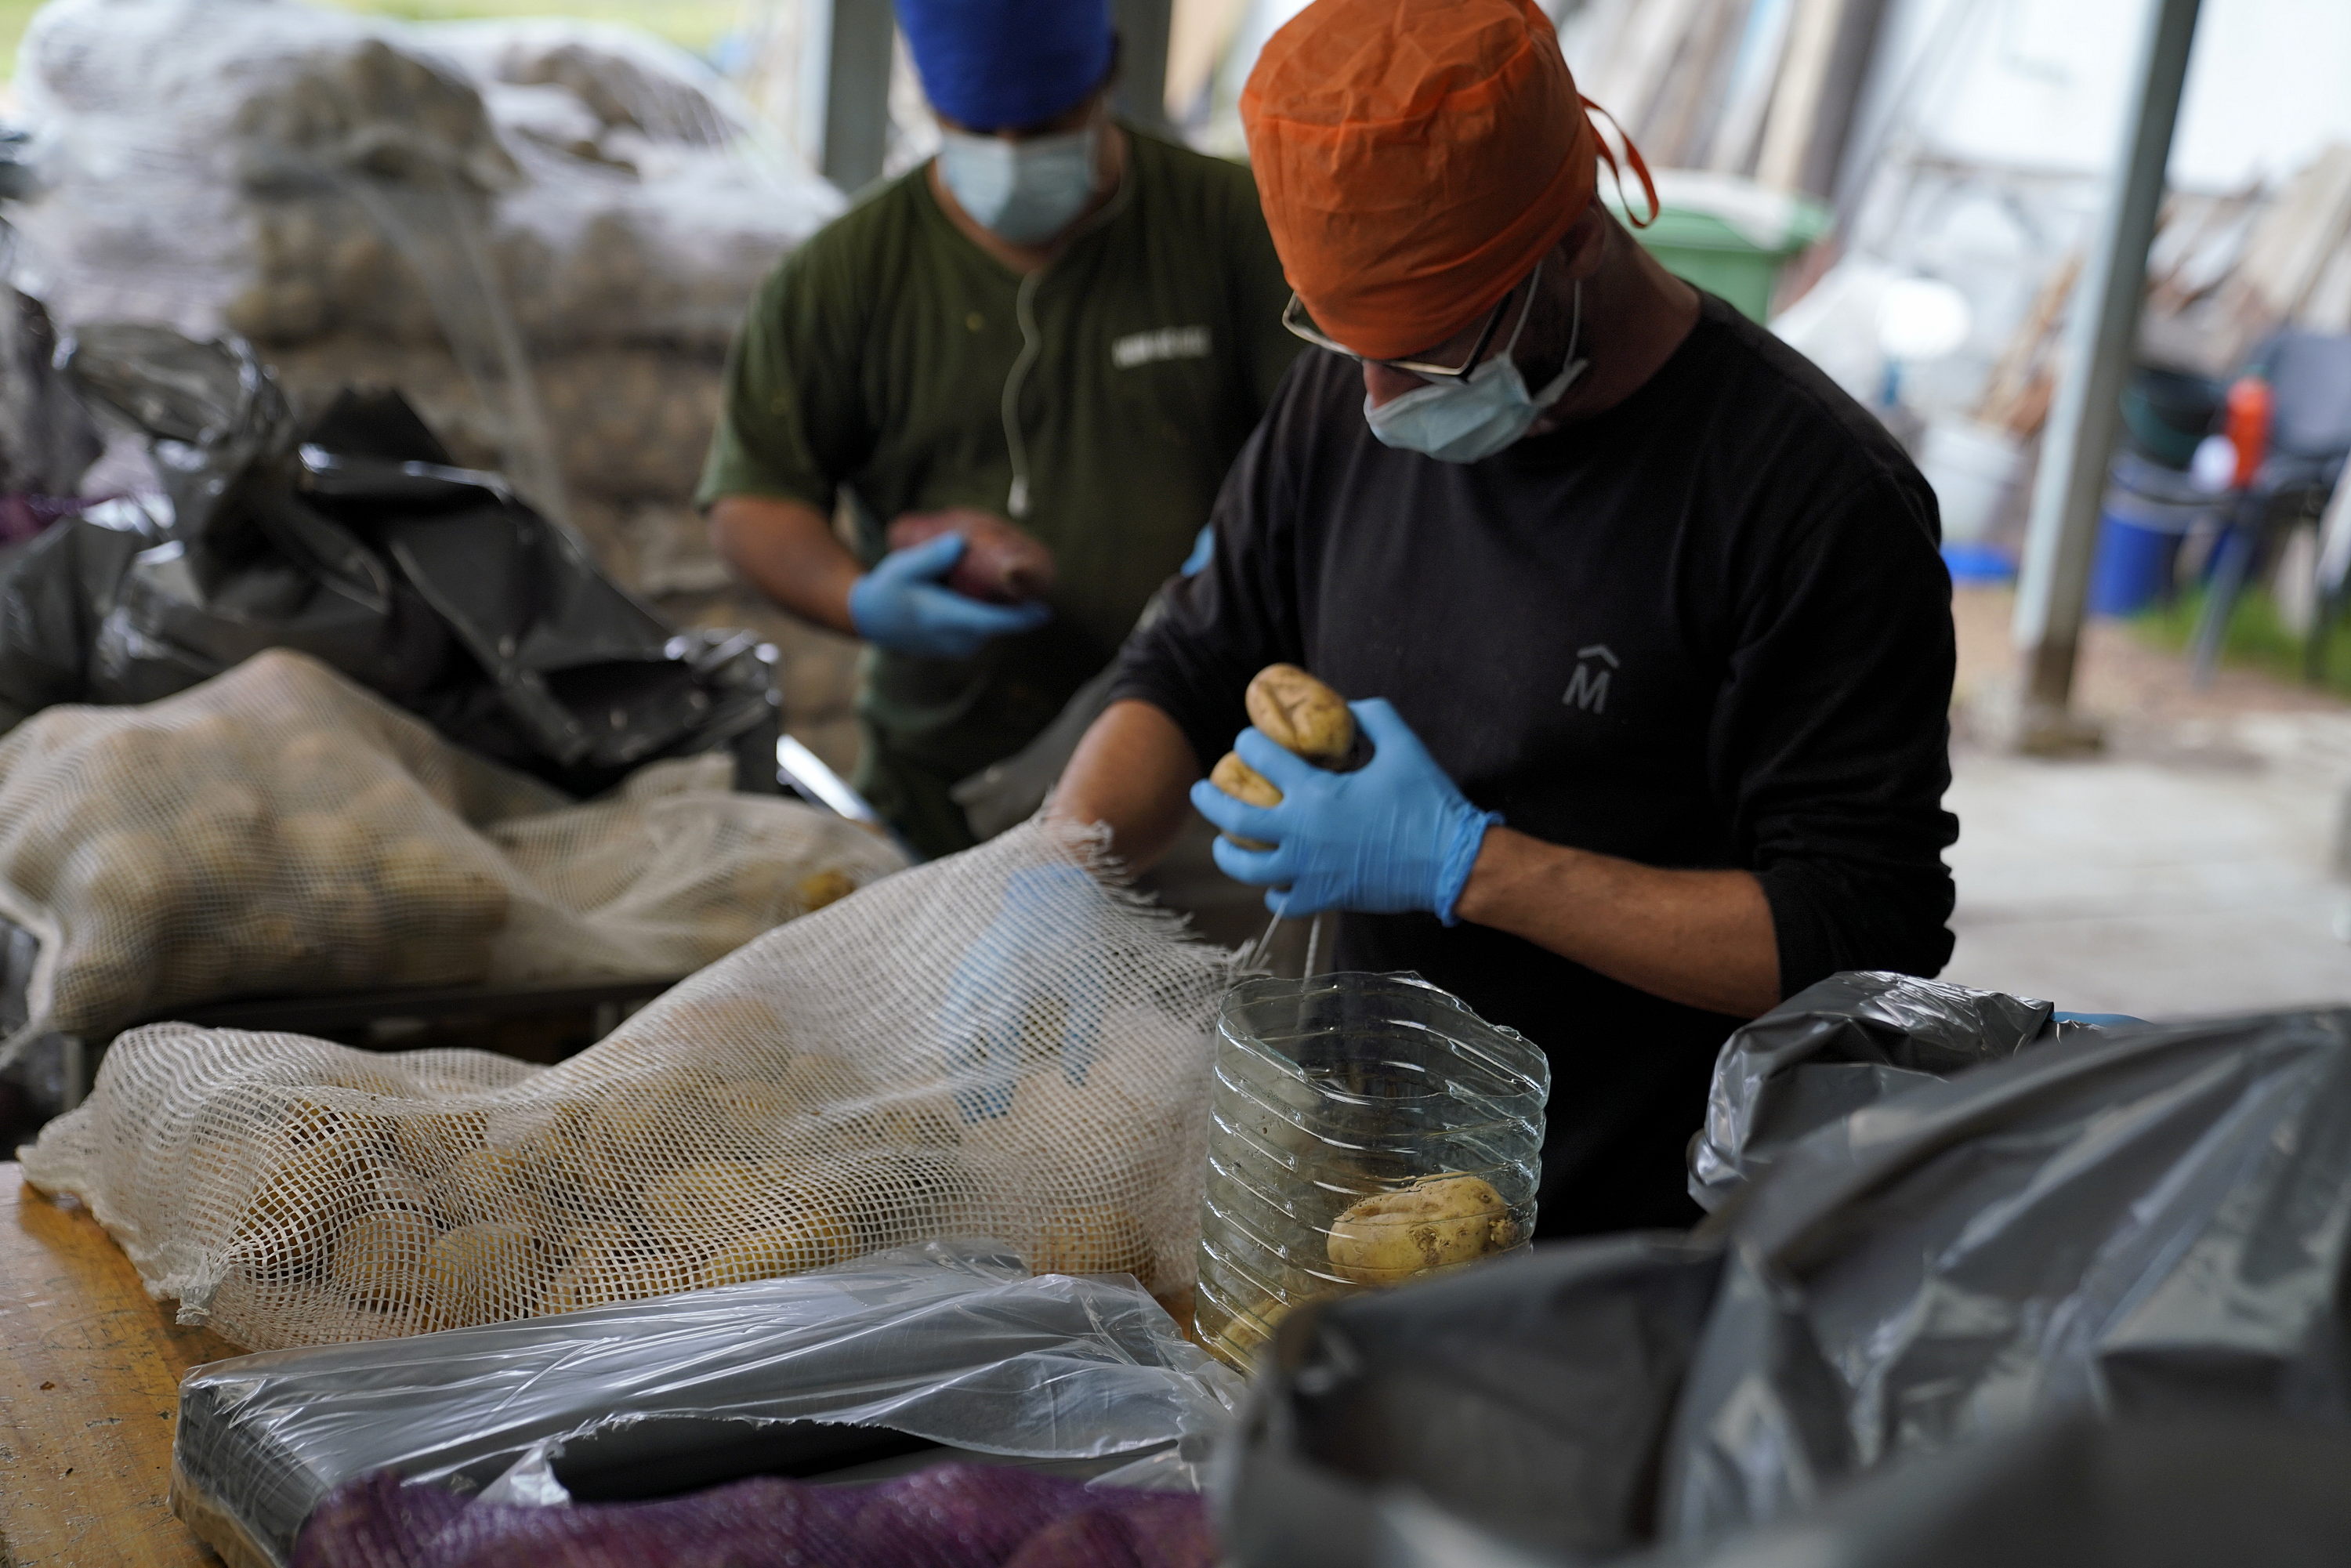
<point x="278" y="829"/>
<point x="288" y="172"/>
<point x="885" y="1071"/>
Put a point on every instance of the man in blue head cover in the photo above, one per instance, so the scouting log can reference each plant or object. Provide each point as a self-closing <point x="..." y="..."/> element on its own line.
<point x="1058" y="326"/>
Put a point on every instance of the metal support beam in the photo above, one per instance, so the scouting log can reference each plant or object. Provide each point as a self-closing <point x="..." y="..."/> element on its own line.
<point x="1144" y="26"/>
<point x="2102" y="340"/>
<point x="858" y="40"/>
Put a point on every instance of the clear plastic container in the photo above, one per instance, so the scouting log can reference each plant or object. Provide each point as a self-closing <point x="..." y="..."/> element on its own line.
<point x="1365" y="1129"/>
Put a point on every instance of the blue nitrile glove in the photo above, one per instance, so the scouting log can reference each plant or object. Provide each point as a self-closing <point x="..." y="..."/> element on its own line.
<point x="1204" y="551"/>
<point x="2102" y="1021"/>
<point x="1394" y="835"/>
<point x="903" y="606"/>
<point x="1032" y="984"/>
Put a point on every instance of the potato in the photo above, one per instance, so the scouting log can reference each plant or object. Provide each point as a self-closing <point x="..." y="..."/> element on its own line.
<point x="1242" y="783"/>
<point x="1302" y="714"/>
<point x="1000" y="563"/>
<point x="824" y="887"/>
<point x="1093" y="1239"/>
<point x="486" y="1273"/>
<point x="623" y="1269"/>
<point x="811" y="1239"/>
<point x="725" y="1194"/>
<point x="379" y="1259"/>
<point x="818" y="1083"/>
<point x="431" y="1142"/>
<point x="418" y="875"/>
<point x="290" y="1221"/>
<point x="915" y="1122"/>
<point x="899" y="1197"/>
<point x="643" y="1127"/>
<point x="320" y="770"/>
<point x="346" y="927"/>
<point x="1235" y="1345"/>
<point x="1437" y="1222"/>
<point x="486" y="1184"/>
<point x="101" y="993"/>
<point x="227" y="847"/>
<point x="126" y="877"/>
<point x="756" y="1108"/>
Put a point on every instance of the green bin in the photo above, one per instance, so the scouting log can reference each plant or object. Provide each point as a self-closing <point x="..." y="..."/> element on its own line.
<point x="1727" y="235"/>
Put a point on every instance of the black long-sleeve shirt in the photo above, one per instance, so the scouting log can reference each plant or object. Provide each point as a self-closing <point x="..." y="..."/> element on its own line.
<point x="1707" y="628"/>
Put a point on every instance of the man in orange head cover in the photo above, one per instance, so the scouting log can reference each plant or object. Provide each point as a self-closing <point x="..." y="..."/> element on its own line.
<point x="1649" y="619"/>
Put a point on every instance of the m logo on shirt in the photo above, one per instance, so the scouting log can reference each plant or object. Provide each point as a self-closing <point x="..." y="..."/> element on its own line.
<point x="1587" y="688"/>
<point x="1166" y="344"/>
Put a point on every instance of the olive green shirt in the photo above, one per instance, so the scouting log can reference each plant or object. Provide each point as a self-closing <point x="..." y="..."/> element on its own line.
<point x="885" y="358"/>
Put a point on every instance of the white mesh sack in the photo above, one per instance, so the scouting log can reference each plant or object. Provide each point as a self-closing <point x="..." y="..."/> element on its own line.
<point x="993" y="1044"/>
<point x="278" y="829"/>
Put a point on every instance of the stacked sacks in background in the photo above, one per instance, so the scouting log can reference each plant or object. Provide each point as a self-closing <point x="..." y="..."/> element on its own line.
<point x="542" y="233"/>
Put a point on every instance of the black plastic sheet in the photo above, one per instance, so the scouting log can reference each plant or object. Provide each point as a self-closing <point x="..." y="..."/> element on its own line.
<point x="359" y="543"/>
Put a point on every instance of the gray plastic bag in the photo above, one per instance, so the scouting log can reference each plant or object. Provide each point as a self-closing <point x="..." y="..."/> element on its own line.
<point x="2153" y="1221"/>
<point x="2078" y="1493"/>
<point x="1522" y="1405"/>
<point x="1851" y="1040"/>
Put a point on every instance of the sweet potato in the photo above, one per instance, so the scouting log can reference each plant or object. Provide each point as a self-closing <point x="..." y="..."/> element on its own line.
<point x="1000" y="564"/>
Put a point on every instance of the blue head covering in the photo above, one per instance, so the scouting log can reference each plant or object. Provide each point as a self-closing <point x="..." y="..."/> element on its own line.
<point x="993" y="64"/>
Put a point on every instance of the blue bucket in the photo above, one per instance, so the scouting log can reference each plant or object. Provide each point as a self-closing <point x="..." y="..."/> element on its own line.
<point x="2134" y="567"/>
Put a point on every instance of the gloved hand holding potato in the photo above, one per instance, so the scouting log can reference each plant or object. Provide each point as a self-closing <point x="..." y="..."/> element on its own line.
<point x="1389" y="835"/>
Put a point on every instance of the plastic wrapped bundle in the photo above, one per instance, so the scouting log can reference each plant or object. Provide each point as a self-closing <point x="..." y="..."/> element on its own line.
<point x="950" y="1343"/>
<point x="883" y="1071"/>
<point x="279" y="829"/>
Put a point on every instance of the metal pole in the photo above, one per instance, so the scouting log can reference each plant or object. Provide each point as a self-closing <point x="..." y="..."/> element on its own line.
<point x="858" y="46"/>
<point x="1144" y="26"/>
<point x="2101" y="340"/>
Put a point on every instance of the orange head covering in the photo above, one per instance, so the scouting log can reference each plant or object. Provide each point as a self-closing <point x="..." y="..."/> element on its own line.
<point x="1415" y="159"/>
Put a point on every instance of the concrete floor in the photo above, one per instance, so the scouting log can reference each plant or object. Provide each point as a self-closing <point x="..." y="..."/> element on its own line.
<point x="2186" y="872"/>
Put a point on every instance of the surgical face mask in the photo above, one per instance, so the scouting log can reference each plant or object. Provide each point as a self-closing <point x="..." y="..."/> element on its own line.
<point x="1479" y="415"/>
<point x="1023" y="191"/>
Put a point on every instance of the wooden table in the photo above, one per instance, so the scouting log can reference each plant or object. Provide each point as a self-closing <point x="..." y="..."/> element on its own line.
<point x="89" y="1375"/>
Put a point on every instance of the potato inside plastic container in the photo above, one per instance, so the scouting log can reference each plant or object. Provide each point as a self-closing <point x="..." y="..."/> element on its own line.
<point x="1364" y="1130"/>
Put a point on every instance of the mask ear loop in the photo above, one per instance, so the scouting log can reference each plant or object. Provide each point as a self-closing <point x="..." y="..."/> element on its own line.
<point x="1633" y="156"/>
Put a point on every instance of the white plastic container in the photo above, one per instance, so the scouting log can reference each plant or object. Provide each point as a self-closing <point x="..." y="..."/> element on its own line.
<point x="1971" y="465"/>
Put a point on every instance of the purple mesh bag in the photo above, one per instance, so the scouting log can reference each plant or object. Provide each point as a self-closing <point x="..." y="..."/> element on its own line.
<point x="957" y="1516"/>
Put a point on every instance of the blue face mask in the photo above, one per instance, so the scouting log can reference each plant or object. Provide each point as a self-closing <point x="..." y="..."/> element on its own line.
<point x="1023" y="191"/>
<point x="1480" y="413"/>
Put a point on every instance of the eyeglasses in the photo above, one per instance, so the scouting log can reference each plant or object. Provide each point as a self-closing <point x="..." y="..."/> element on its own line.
<point x="1295" y="320"/>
